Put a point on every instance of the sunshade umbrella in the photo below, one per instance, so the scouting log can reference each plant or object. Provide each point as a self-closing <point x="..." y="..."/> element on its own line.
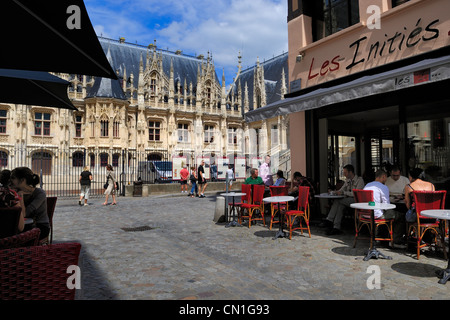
<point x="34" y="88"/>
<point x="51" y="36"/>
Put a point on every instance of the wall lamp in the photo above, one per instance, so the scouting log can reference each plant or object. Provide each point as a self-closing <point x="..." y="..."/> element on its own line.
<point x="300" y="57"/>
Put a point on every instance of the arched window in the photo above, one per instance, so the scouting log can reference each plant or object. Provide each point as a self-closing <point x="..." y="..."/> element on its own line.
<point x="104" y="159"/>
<point x="3" y="159"/>
<point x="78" y="159"/>
<point x="154" y="157"/>
<point x="92" y="158"/>
<point x="115" y="159"/>
<point x="41" y="160"/>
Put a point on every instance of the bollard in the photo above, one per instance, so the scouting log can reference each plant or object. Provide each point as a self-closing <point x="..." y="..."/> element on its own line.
<point x="219" y="215"/>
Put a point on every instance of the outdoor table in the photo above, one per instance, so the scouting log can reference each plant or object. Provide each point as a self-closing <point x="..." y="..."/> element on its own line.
<point x="233" y="223"/>
<point x="443" y="214"/>
<point x="329" y="196"/>
<point x="279" y="199"/>
<point x="29" y="221"/>
<point x="373" y="252"/>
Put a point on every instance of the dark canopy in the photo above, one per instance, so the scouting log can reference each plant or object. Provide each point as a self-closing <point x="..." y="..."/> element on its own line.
<point x="34" y="88"/>
<point x="52" y="36"/>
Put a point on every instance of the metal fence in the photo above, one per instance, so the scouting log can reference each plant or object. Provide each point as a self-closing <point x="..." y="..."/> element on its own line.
<point x="60" y="169"/>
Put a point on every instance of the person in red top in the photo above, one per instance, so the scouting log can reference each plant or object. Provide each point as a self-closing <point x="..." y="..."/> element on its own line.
<point x="184" y="174"/>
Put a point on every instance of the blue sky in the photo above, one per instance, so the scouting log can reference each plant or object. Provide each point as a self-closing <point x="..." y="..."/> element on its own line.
<point x="256" y="28"/>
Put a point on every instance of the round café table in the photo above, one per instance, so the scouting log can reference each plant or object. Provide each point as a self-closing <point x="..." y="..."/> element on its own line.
<point x="442" y="214"/>
<point x="233" y="223"/>
<point x="29" y="221"/>
<point x="279" y="199"/>
<point x="373" y="252"/>
<point x="329" y="196"/>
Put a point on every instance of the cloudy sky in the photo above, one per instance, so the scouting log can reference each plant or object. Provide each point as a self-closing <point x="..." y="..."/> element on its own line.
<point x="256" y="28"/>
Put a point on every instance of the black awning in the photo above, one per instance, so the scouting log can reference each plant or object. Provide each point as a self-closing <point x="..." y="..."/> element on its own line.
<point x="34" y="88"/>
<point x="51" y="36"/>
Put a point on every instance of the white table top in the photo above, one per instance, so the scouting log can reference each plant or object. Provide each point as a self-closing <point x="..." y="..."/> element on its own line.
<point x="28" y="221"/>
<point x="278" y="199"/>
<point x="329" y="196"/>
<point x="233" y="194"/>
<point x="366" y="206"/>
<point x="438" y="214"/>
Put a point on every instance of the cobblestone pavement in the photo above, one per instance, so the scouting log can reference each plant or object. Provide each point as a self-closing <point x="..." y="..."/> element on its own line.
<point x="186" y="255"/>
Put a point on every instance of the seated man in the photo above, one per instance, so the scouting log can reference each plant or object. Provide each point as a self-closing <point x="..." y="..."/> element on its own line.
<point x="380" y="191"/>
<point x="254" y="178"/>
<point x="396" y="183"/>
<point x="336" y="213"/>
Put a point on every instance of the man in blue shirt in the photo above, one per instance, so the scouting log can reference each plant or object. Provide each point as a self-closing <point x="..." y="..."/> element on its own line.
<point x="380" y="191"/>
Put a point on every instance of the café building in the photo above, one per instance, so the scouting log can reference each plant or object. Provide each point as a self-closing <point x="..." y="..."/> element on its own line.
<point x="369" y="84"/>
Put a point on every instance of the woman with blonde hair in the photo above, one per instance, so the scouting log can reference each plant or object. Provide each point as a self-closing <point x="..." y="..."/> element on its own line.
<point x="111" y="188"/>
<point x="85" y="183"/>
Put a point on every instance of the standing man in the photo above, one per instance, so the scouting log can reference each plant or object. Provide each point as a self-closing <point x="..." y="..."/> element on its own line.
<point x="336" y="213"/>
<point x="201" y="179"/>
<point x="184" y="175"/>
<point x="264" y="172"/>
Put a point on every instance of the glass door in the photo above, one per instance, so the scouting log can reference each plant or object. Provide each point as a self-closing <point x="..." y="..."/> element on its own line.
<point x="341" y="151"/>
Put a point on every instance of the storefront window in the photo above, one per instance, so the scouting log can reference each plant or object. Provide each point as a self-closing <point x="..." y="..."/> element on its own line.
<point x="429" y="149"/>
<point x="341" y="151"/>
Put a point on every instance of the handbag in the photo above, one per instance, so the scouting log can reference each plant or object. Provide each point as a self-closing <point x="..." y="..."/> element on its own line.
<point x="411" y="215"/>
<point x="105" y="186"/>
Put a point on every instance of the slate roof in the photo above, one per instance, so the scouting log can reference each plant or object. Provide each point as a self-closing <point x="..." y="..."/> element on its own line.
<point x="273" y="69"/>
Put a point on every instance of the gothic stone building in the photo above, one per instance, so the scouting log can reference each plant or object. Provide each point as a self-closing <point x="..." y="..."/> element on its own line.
<point x="164" y="104"/>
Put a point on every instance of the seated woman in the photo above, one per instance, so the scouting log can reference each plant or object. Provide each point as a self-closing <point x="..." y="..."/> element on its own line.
<point x="415" y="184"/>
<point x="9" y="198"/>
<point x="281" y="181"/>
<point x="24" y="180"/>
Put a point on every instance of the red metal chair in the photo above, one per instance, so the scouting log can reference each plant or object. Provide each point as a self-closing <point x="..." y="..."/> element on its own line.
<point x="256" y="205"/>
<point x="247" y="189"/>
<point x="38" y="273"/>
<point x="363" y="218"/>
<point x="9" y="221"/>
<point x="51" y="204"/>
<point x="277" y="191"/>
<point x="301" y="212"/>
<point x="24" y="239"/>
<point x="427" y="200"/>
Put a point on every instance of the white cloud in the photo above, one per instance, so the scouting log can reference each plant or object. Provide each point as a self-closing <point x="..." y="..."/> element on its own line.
<point x="257" y="28"/>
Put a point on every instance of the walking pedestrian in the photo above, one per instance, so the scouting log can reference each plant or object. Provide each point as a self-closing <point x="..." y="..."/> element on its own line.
<point x="202" y="183"/>
<point x="111" y="185"/>
<point x="85" y="185"/>
<point x="193" y="179"/>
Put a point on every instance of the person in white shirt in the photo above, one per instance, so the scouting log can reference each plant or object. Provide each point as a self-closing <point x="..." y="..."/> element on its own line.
<point x="229" y="176"/>
<point x="336" y="213"/>
<point x="396" y="183"/>
<point x="264" y="172"/>
<point x="380" y="191"/>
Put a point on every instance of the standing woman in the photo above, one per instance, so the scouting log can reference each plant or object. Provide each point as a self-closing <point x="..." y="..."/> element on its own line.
<point x="35" y="204"/>
<point x="111" y="181"/>
<point x="85" y="183"/>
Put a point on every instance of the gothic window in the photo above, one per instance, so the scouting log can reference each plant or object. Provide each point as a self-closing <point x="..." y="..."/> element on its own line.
<point x="104" y="126"/>
<point x="92" y="157"/>
<point x="183" y="132"/>
<point x="78" y="159"/>
<point x="153" y="86"/>
<point x="104" y="159"/>
<point x="116" y="126"/>
<point x="274" y="135"/>
<point x="3" y="114"/>
<point x="78" y="124"/>
<point x="232" y="135"/>
<point x="154" y="131"/>
<point x="115" y="160"/>
<point x="3" y="159"/>
<point x="41" y="161"/>
<point x="42" y="124"/>
<point x="258" y="99"/>
<point x="209" y="134"/>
